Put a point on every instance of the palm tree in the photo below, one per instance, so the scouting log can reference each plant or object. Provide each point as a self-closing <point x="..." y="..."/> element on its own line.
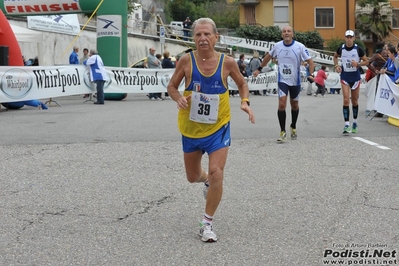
<point x="373" y="18"/>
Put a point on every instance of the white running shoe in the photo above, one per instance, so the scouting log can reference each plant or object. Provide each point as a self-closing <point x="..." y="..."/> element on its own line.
<point x="206" y="233"/>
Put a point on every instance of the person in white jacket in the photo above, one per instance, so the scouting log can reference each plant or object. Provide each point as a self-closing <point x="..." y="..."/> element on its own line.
<point x="98" y="74"/>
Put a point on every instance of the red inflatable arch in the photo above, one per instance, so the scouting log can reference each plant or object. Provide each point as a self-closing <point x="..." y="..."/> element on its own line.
<point x="7" y="38"/>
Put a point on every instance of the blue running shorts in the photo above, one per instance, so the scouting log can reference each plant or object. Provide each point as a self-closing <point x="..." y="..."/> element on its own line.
<point x="352" y="85"/>
<point x="218" y="140"/>
<point x="283" y="90"/>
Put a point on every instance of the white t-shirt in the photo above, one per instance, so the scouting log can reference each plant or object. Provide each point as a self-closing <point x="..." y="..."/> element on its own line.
<point x="289" y="61"/>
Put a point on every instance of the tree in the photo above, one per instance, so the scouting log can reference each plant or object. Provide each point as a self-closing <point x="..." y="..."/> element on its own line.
<point x="373" y="18"/>
<point x="268" y="34"/>
<point x="334" y="43"/>
<point x="225" y="14"/>
<point x="180" y="9"/>
<point x="311" y="39"/>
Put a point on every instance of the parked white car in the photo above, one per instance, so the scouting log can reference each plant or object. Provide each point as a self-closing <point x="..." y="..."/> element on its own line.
<point x="176" y="28"/>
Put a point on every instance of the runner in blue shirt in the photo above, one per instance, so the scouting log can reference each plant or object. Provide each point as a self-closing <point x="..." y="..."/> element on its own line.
<point x="352" y="57"/>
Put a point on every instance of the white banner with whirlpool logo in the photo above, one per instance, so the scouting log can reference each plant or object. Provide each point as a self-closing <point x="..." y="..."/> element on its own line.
<point x="21" y="83"/>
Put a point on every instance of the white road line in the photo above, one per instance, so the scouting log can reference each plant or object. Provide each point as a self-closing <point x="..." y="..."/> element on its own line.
<point x="383" y="147"/>
<point x="372" y="143"/>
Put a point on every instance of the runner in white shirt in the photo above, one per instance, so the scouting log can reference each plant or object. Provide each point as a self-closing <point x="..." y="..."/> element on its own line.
<point x="290" y="54"/>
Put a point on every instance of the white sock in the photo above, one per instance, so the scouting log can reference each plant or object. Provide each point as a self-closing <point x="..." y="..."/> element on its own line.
<point x="207" y="219"/>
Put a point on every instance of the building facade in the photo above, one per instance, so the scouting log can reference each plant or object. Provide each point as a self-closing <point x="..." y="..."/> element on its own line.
<point x="330" y="19"/>
<point x="266" y="12"/>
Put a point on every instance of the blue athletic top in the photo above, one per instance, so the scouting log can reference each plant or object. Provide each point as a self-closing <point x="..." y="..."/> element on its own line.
<point x="390" y="66"/>
<point x="208" y="84"/>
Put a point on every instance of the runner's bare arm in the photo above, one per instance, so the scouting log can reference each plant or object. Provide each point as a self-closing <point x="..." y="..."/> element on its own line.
<point x="182" y="71"/>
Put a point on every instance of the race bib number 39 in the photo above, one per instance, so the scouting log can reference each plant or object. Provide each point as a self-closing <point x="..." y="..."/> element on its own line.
<point x="204" y="107"/>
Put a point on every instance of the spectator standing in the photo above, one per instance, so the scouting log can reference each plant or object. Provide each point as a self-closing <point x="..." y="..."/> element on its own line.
<point x="290" y="54"/>
<point x="159" y="57"/>
<point x="74" y="56"/>
<point x="98" y="75"/>
<point x="377" y="61"/>
<point x="186" y="28"/>
<point x="85" y="55"/>
<point x="254" y="64"/>
<point x="243" y="70"/>
<point x="241" y="67"/>
<point x="204" y="114"/>
<point x="167" y="63"/>
<point x="241" y="60"/>
<point x="352" y="57"/>
<point x="153" y="62"/>
<point x="271" y="66"/>
<point x="309" y="80"/>
<point x="84" y="58"/>
<point x="320" y="81"/>
<point x="389" y="68"/>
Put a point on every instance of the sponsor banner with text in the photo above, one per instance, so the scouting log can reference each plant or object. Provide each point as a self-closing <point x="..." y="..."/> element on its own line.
<point x="29" y="83"/>
<point x="34" y="7"/>
<point x="109" y="26"/>
<point x="370" y="91"/>
<point x="318" y="57"/>
<point x="387" y="97"/>
<point x="66" y="24"/>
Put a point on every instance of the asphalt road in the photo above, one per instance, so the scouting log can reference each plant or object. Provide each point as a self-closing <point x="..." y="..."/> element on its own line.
<point x="84" y="184"/>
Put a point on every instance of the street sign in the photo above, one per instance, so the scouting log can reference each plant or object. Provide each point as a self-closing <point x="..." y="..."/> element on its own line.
<point x="162" y="31"/>
<point x="162" y="34"/>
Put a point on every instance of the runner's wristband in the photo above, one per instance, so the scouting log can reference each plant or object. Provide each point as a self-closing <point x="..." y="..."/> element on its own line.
<point x="260" y="69"/>
<point x="245" y="100"/>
